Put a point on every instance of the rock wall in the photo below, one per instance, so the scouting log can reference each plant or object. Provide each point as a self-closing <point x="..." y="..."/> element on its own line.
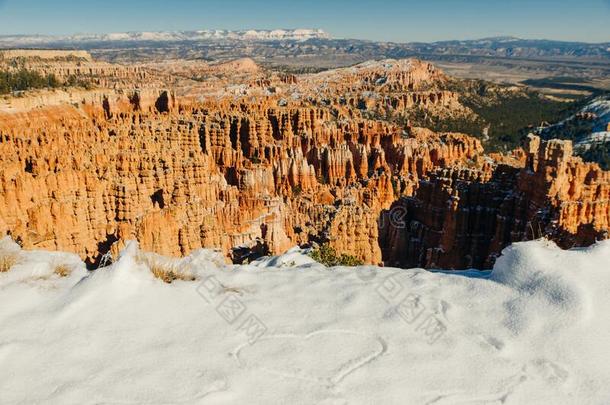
<point x="257" y="161"/>
<point x="44" y="54"/>
<point x="463" y="218"/>
<point x="220" y="174"/>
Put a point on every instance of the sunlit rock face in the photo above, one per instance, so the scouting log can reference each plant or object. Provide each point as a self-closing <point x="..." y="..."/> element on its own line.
<point x="461" y="218"/>
<point x="246" y="158"/>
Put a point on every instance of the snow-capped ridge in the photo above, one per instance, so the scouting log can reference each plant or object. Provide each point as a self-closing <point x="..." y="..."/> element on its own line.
<point x="299" y="34"/>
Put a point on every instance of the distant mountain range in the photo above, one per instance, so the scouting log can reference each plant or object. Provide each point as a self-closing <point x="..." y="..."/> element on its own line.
<point x="311" y="42"/>
<point x="517" y="47"/>
<point x="164" y="36"/>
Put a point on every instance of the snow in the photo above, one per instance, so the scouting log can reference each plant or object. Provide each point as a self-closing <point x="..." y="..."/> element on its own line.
<point x="286" y="329"/>
<point x="168" y="36"/>
<point x="600" y="106"/>
<point x="594" y="138"/>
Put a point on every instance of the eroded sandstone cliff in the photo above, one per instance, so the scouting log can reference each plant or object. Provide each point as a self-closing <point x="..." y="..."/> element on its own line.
<point x="276" y="160"/>
<point x="463" y="217"/>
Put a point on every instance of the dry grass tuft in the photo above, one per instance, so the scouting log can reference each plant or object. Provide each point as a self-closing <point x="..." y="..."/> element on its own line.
<point x="7" y="260"/>
<point x="62" y="270"/>
<point x="165" y="270"/>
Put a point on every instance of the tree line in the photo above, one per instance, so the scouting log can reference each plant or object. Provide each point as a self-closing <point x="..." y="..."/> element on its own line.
<point x="24" y="80"/>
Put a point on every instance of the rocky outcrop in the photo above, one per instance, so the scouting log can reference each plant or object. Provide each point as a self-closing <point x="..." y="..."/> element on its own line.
<point x="93" y="102"/>
<point x="216" y="175"/>
<point x="44" y="54"/>
<point x="463" y="218"/>
<point x="270" y="161"/>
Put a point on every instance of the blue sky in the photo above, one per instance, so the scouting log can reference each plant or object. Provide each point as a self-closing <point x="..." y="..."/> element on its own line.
<point x="392" y="20"/>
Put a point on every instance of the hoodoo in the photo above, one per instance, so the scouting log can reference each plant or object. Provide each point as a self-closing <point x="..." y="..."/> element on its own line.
<point x="266" y="163"/>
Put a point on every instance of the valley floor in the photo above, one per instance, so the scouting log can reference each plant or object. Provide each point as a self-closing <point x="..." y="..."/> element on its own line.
<point x="288" y="330"/>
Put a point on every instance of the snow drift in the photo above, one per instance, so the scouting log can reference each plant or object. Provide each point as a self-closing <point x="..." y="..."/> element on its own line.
<point x="288" y="330"/>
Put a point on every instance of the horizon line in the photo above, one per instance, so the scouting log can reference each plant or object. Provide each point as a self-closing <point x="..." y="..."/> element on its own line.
<point x="321" y="30"/>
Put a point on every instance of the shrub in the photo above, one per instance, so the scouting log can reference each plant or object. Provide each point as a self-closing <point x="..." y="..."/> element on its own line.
<point x="74" y="81"/>
<point x="329" y="257"/>
<point x="24" y="80"/>
<point x="7" y="260"/>
<point x="62" y="270"/>
<point x="598" y="152"/>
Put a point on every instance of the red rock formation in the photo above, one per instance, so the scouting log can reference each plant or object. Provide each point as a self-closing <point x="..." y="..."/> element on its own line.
<point x="249" y="168"/>
<point x="463" y="218"/>
<point x="218" y="176"/>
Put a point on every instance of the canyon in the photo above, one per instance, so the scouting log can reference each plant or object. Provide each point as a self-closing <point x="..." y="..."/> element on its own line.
<point x="182" y="155"/>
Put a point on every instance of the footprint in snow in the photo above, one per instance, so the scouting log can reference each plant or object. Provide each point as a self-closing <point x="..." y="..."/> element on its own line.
<point x="495" y="343"/>
<point x="551" y="372"/>
<point x="324" y="357"/>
